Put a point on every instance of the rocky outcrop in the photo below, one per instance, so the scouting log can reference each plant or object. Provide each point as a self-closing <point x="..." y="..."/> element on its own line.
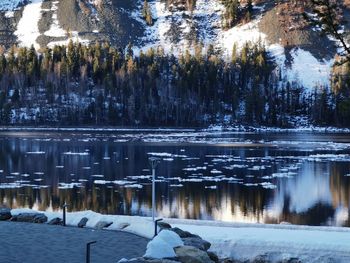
<point x="82" y="222"/>
<point x="197" y="242"/>
<point x="31" y="218"/>
<point x="55" y="221"/>
<point x="103" y="224"/>
<point x="5" y="214"/>
<point x="188" y="254"/>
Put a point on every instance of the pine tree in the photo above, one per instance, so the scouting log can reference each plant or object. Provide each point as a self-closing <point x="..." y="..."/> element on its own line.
<point x="147" y="13"/>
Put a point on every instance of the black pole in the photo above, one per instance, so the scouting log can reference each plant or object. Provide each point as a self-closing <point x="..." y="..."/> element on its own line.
<point x="156" y="226"/>
<point x="64" y="214"/>
<point x="88" y="250"/>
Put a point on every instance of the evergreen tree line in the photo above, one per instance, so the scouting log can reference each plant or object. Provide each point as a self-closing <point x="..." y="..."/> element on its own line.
<point x="99" y="84"/>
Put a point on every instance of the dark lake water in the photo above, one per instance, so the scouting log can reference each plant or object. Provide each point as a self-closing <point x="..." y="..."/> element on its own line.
<point x="301" y="178"/>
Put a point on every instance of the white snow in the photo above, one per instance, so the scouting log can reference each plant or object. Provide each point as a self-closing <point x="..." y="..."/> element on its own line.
<point x="236" y="240"/>
<point x="27" y="28"/>
<point x="159" y="248"/>
<point x="55" y="30"/>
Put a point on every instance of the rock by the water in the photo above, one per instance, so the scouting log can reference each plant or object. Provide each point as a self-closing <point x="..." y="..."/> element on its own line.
<point x="144" y="260"/>
<point x="32" y="217"/>
<point x="55" y="221"/>
<point x="82" y="222"/>
<point x="196" y="242"/>
<point x="213" y="256"/>
<point x="164" y="225"/>
<point x="123" y="225"/>
<point x="103" y="224"/>
<point x="182" y="233"/>
<point x="5" y="214"/>
<point x="187" y="254"/>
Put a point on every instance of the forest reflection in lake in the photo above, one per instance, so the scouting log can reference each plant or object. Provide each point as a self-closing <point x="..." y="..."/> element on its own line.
<point x="267" y="178"/>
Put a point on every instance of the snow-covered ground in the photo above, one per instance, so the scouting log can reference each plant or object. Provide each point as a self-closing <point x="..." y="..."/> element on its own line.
<point x="27" y="28"/>
<point x="239" y="241"/>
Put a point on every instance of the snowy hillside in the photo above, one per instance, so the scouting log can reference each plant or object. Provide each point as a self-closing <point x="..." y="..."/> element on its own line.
<point x="175" y="29"/>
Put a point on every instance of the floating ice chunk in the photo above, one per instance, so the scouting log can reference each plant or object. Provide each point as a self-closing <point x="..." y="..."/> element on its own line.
<point x="193" y="169"/>
<point x="268" y="185"/>
<point x="139" y="186"/>
<point x="38" y="152"/>
<point x="214" y="171"/>
<point x="76" y="153"/>
<point x="211" y="187"/>
<point x="59" y="166"/>
<point x="69" y="185"/>
<point x="176" y="185"/>
<point x="98" y="175"/>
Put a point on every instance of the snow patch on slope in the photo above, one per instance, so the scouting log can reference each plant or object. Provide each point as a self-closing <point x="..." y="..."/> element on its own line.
<point x="55" y="30"/>
<point x="27" y="29"/>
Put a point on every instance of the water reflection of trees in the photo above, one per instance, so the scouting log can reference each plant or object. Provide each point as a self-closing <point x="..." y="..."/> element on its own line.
<point x="190" y="201"/>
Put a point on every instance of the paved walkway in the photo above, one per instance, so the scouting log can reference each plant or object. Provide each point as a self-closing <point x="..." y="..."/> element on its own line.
<point x="41" y="243"/>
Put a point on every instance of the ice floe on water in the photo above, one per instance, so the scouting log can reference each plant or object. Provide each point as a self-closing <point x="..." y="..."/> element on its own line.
<point x="69" y="185"/>
<point x="76" y="153"/>
<point x="38" y="152"/>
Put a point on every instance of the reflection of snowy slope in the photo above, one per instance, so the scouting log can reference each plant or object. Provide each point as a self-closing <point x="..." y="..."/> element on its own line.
<point x="296" y="189"/>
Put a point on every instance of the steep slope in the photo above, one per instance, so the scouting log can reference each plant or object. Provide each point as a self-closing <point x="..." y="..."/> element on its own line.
<point x="177" y="25"/>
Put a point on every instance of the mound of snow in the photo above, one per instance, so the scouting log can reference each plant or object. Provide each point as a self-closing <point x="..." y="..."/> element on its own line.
<point x="159" y="248"/>
<point x="171" y="238"/>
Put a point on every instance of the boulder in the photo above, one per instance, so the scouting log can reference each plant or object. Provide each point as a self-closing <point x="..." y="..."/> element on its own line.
<point x="187" y="254"/>
<point x="55" y="221"/>
<point x="82" y="222"/>
<point x="196" y="242"/>
<point x="103" y="224"/>
<point x="5" y="214"/>
<point x="182" y="233"/>
<point x="163" y="225"/>
<point x="213" y="256"/>
<point x="32" y="218"/>
<point x="123" y="225"/>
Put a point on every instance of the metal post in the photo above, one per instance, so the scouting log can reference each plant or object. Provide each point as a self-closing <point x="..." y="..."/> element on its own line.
<point x="88" y="250"/>
<point x="153" y="192"/>
<point x="64" y="213"/>
<point x="156" y="226"/>
<point x="154" y="162"/>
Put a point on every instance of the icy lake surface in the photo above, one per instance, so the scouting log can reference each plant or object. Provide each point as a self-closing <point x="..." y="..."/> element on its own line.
<point x="299" y="178"/>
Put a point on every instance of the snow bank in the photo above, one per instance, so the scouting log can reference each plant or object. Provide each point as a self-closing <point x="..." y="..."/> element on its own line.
<point x="237" y="240"/>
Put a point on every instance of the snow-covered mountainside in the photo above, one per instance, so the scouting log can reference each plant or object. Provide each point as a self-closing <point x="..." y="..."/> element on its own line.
<point x="176" y="25"/>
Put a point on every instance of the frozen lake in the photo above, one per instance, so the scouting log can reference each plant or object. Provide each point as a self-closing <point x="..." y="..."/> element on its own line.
<point x="300" y="178"/>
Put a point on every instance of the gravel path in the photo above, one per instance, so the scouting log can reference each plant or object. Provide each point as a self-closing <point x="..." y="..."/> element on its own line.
<point x="36" y="243"/>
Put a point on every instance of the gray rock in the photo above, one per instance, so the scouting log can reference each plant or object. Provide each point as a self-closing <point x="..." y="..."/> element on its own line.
<point x="213" y="256"/>
<point x="144" y="260"/>
<point x="32" y="218"/>
<point x="5" y="214"/>
<point x="82" y="222"/>
<point x="103" y="224"/>
<point x="187" y="254"/>
<point x="164" y="225"/>
<point x="123" y="225"/>
<point x="182" y="233"/>
<point x="196" y="242"/>
<point x="55" y="221"/>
